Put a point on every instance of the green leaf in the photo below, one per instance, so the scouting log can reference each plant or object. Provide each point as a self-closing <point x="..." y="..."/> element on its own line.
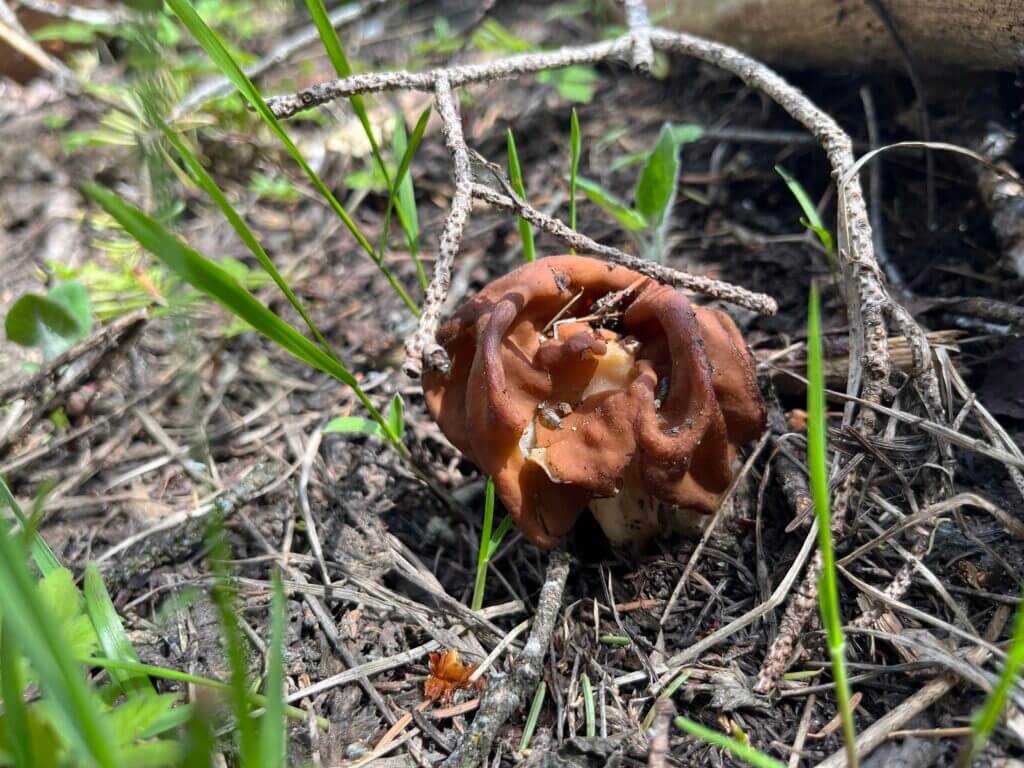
<point x="59" y="594"/>
<point x="184" y="677"/>
<point x="75" y="298"/>
<point x="39" y="635"/>
<point x="588" y="706"/>
<point x="622" y="213"/>
<point x="206" y="181"/>
<point x="42" y="555"/>
<point x="355" y="424"/>
<point x="402" y="193"/>
<point x="533" y="716"/>
<point x="811" y="218"/>
<point x="35" y="321"/>
<point x="499" y="533"/>
<point x="135" y="716"/>
<point x="150" y="754"/>
<point x="199" y="745"/>
<point x="828" y="590"/>
<point x="657" y="186"/>
<point x="738" y="749"/>
<point x="515" y="174"/>
<point x="170" y="720"/>
<point x="336" y="53"/>
<point x="74" y="32"/>
<point x="575" y="147"/>
<point x="112" y="637"/>
<point x="12" y="688"/>
<point x="686" y="133"/>
<point x="272" y="729"/>
<point x="396" y="415"/>
<point x="483" y="554"/>
<point x="573" y="83"/>
<point x="215" y="282"/>
<point x="229" y="68"/>
<point x="988" y="716"/>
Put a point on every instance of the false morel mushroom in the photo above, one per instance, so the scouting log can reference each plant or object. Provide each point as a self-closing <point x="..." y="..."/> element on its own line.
<point x="577" y="383"/>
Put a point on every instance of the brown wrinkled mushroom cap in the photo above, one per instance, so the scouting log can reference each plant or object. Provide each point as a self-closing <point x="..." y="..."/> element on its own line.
<point x="561" y="418"/>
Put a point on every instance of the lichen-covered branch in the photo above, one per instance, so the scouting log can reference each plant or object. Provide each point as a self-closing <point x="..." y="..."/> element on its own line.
<point x="641" y="54"/>
<point x="504" y="696"/>
<point x="457" y="77"/>
<point x="423" y="346"/>
<point x="718" y="289"/>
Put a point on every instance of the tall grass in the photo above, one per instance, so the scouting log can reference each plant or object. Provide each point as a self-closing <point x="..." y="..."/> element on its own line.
<point x="219" y="54"/>
<point x="50" y="633"/>
<point x="828" y="592"/>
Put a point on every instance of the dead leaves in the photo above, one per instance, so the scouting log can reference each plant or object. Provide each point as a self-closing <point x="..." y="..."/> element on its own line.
<point x="447" y="675"/>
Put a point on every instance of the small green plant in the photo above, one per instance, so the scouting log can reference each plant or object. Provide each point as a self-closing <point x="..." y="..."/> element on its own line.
<point x="988" y="716"/>
<point x="534" y="715"/>
<point x="275" y="188"/>
<point x="53" y="322"/>
<point x="742" y="751"/>
<point x="489" y="541"/>
<point x="811" y="219"/>
<point x="220" y="285"/>
<point x="589" y="721"/>
<point x="230" y="68"/>
<point x="575" y="146"/>
<point x="649" y="218"/>
<point x="394" y="415"/>
<point x="828" y="591"/>
<point x="515" y="175"/>
<point x="122" y="720"/>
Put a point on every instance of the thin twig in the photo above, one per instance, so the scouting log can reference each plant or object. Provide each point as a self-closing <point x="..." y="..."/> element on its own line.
<point x="423" y="345"/>
<point x="504" y="696"/>
<point x="718" y="289"/>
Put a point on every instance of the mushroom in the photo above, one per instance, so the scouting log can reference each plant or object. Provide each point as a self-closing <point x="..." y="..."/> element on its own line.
<point x="577" y="383"/>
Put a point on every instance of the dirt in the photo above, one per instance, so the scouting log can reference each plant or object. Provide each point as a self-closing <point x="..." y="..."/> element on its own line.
<point x="244" y="413"/>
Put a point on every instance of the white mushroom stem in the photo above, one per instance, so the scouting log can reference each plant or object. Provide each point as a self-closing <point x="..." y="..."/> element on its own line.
<point x="630" y="518"/>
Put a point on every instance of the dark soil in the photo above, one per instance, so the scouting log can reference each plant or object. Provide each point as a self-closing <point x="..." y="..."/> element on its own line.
<point x="244" y="413"/>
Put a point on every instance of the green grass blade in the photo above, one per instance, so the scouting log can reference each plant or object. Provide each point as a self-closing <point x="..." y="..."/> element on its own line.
<point x="44" y="558"/>
<point x="336" y="53"/>
<point x="811" y="218"/>
<point x="987" y="718"/>
<point x="215" y="49"/>
<point x="199" y="745"/>
<point x="588" y="706"/>
<point x="402" y="196"/>
<point x="217" y="283"/>
<point x="206" y="182"/>
<point x="515" y="174"/>
<point x="668" y="693"/>
<point x="738" y="749"/>
<point x="272" y="729"/>
<point x="12" y="691"/>
<point x="503" y="528"/>
<point x="184" y="677"/>
<point x="35" y="631"/>
<point x="574" y="166"/>
<point x="828" y="591"/>
<point x="224" y="598"/>
<point x="531" y="719"/>
<point x="113" y="639"/>
<point x="484" y="555"/>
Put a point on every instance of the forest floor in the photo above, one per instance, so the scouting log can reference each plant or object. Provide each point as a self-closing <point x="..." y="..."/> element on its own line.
<point x="186" y="411"/>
